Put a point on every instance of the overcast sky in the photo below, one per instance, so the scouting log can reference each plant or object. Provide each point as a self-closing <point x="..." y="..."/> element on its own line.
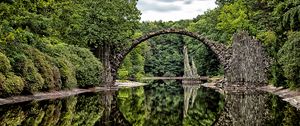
<point x="173" y="10"/>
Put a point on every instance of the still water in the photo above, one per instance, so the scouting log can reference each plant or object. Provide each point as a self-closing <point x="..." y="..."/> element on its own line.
<point x="161" y="103"/>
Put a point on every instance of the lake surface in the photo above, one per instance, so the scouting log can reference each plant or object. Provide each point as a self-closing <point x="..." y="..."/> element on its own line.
<point x="161" y="103"/>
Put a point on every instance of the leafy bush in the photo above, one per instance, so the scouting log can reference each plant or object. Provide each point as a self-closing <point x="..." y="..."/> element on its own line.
<point x="290" y="58"/>
<point x="87" y="67"/>
<point x="13" y="85"/>
<point x="24" y="67"/>
<point x="42" y="62"/>
<point x="58" y="66"/>
<point x="4" y="63"/>
<point x="67" y="71"/>
<point x="2" y="80"/>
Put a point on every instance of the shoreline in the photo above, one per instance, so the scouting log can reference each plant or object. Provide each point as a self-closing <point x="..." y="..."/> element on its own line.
<point x="39" y="96"/>
<point x="290" y="96"/>
<point x="287" y="95"/>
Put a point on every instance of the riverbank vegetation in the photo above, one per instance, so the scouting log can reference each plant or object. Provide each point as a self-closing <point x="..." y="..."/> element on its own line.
<point x="53" y="45"/>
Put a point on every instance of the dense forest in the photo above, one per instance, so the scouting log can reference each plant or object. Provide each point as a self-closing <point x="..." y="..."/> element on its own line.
<point x="61" y="44"/>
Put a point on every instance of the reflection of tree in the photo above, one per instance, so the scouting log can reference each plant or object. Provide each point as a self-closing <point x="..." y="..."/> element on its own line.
<point x="131" y="102"/>
<point x="205" y="105"/>
<point x="244" y="109"/>
<point x="164" y="102"/>
<point x="112" y="114"/>
<point x="76" y="110"/>
<point x="88" y="110"/>
<point x="282" y="113"/>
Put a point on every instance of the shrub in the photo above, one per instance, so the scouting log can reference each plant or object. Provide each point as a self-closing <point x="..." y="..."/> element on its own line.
<point x="2" y="80"/>
<point x="67" y="72"/>
<point x="4" y="63"/>
<point x="13" y="85"/>
<point x="289" y="58"/>
<point x="87" y="67"/>
<point x="25" y="68"/>
<point x="42" y="62"/>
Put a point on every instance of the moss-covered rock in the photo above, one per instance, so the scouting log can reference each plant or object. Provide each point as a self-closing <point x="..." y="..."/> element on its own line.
<point x="13" y="85"/>
<point x="4" y="63"/>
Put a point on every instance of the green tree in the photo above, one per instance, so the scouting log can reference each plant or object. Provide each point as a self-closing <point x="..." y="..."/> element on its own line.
<point x="290" y="58"/>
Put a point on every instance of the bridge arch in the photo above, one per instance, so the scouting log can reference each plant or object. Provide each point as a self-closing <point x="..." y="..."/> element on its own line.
<point x="218" y="48"/>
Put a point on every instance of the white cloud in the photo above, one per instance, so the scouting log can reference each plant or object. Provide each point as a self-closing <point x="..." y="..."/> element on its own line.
<point x="173" y="10"/>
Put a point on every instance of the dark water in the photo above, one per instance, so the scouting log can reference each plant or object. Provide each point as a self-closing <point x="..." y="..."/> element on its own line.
<point x="159" y="104"/>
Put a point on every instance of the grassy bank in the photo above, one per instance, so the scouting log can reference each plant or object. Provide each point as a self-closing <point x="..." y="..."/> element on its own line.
<point x="25" y="69"/>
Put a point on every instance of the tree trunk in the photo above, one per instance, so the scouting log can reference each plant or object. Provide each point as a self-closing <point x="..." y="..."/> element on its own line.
<point x="104" y="54"/>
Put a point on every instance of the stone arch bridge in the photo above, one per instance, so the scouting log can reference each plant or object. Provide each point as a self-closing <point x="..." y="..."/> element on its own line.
<point x="244" y="61"/>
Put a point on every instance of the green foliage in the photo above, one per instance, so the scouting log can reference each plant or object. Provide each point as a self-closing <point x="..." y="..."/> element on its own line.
<point x="132" y="105"/>
<point x="65" y="66"/>
<point x="133" y="64"/>
<point x="204" y="112"/>
<point x="290" y="58"/>
<point x="13" y="85"/>
<point x="5" y="66"/>
<point x="88" y="110"/>
<point x="88" y="69"/>
<point x="67" y="71"/>
<point x="291" y="118"/>
<point x="36" y="114"/>
<point x="13" y="117"/>
<point x="234" y="17"/>
<point x="24" y="67"/>
<point x="290" y="11"/>
<point x="68" y="111"/>
<point x="123" y="74"/>
<point x="113" y="29"/>
<point x="2" y="79"/>
<point x="52" y="114"/>
<point x="41" y="61"/>
<point x="164" y="103"/>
